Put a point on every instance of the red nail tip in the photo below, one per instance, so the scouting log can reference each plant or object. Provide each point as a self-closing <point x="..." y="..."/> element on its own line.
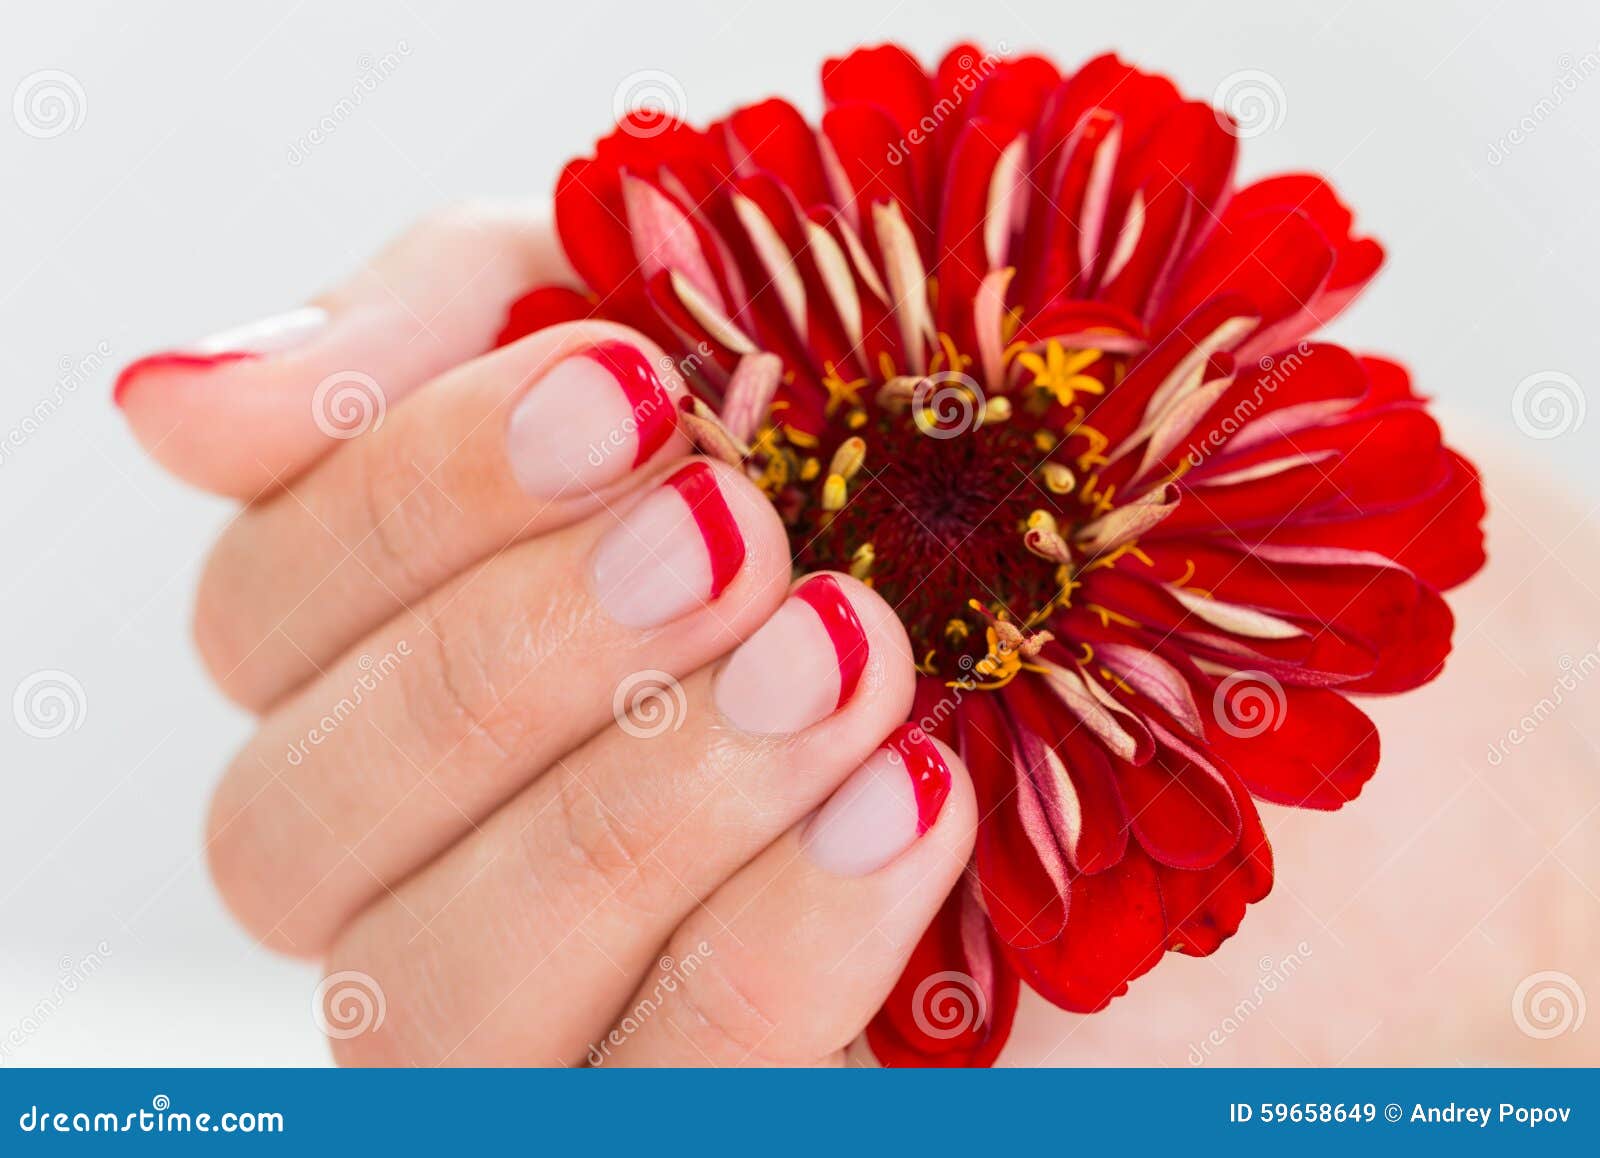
<point x="171" y="360"/>
<point x="930" y="776"/>
<point x="654" y="415"/>
<point x="844" y="628"/>
<point x="697" y="483"/>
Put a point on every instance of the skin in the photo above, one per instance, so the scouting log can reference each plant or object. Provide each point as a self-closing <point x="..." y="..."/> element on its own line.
<point x="479" y="838"/>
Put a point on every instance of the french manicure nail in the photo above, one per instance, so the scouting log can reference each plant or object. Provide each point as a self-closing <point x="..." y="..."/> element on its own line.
<point x="272" y="335"/>
<point x="592" y="418"/>
<point x="888" y="802"/>
<point x="801" y="666"/>
<point x="675" y="551"/>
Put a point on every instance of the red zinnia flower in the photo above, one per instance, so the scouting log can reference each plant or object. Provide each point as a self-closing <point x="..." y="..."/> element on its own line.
<point x="1008" y="344"/>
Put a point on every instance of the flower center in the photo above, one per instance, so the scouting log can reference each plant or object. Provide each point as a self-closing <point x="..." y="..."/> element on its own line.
<point x="935" y="520"/>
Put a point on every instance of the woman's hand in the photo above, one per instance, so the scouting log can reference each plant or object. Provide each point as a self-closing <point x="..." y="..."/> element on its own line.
<point x="551" y="748"/>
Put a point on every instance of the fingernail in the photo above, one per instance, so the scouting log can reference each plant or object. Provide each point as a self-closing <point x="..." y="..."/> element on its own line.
<point x="591" y="419"/>
<point x="272" y="335"/>
<point x="675" y="551"/>
<point x="800" y="667"/>
<point x="879" y="812"/>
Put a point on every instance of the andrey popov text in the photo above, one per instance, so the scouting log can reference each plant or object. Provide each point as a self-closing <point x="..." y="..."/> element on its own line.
<point x="1447" y="1114"/>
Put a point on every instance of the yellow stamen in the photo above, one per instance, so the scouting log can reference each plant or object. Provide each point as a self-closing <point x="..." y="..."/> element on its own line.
<point x="834" y="493"/>
<point x="848" y="458"/>
<point x="1058" y="480"/>
<point x="840" y="391"/>
<point x="861" y="562"/>
<point x="1059" y="372"/>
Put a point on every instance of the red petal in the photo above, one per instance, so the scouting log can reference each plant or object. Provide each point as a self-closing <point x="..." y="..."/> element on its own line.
<point x="955" y="1002"/>
<point x="1019" y="863"/>
<point x="1203" y="908"/>
<point x="1182" y="812"/>
<point x="538" y="308"/>
<point x="1318" y="751"/>
<point x="1116" y="931"/>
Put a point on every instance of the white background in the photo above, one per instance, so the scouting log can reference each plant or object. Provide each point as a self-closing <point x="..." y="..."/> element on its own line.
<point x="182" y="204"/>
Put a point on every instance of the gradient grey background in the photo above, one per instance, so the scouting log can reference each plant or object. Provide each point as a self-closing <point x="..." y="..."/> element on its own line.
<point x="189" y="198"/>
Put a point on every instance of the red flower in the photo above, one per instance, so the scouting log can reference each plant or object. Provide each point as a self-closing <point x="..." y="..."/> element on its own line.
<point x="1009" y="344"/>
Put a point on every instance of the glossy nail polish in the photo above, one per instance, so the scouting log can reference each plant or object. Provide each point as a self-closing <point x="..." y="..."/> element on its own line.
<point x="589" y="420"/>
<point x="678" y="549"/>
<point x="800" y="667"/>
<point x="891" y="800"/>
<point x="258" y="339"/>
